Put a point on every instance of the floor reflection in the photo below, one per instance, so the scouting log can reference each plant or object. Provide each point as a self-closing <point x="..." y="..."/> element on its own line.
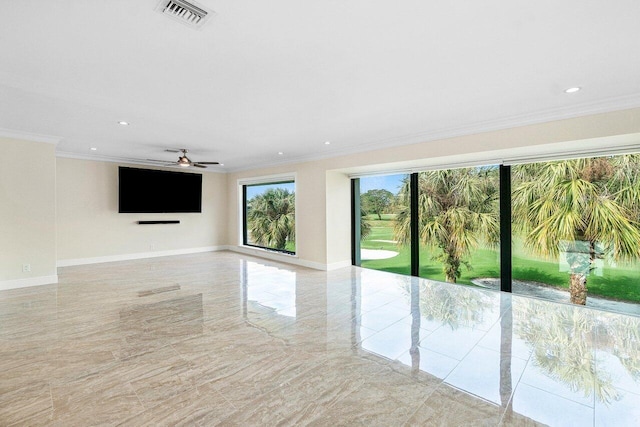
<point x="267" y="288"/>
<point x="522" y="354"/>
<point x="225" y="339"/>
<point x="168" y="318"/>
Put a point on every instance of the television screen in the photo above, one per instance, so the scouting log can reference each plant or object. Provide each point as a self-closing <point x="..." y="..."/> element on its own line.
<point x="153" y="191"/>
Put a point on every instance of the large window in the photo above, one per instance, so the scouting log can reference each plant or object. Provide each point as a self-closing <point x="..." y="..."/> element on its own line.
<point x="576" y="233"/>
<point x="565" y="230"/>
<point x="269" y="216"/>
<point x="384" y="210"/>
<point x="459" y="225"/>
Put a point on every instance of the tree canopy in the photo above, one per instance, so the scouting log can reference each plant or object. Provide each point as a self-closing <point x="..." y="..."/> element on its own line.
<point x="457" y="209"/>
<point x="585" y="209"/>
<point x="377" y="201"/>
<point x="271" y="218"/>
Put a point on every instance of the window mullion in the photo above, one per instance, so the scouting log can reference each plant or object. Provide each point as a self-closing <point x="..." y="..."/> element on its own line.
<point x="415" y="230"/>
<point x="505" y="228"/>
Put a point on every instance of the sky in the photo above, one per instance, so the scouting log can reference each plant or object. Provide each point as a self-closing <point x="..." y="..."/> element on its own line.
<point x="381" y="182"/>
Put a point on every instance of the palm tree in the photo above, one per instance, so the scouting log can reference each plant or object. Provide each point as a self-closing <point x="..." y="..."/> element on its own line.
<point x="365" y="225"/>
<point x="271" y="218"/>
<point x="586" y="209"/>
<point x="457" y="210"/>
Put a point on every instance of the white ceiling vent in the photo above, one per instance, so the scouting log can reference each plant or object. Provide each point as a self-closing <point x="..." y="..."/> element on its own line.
<point x="188" y="13"/>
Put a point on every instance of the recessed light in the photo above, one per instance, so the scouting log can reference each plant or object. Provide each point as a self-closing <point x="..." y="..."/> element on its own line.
<point x="572" y="89"/>
<point x="123" y="123"/>
<point x="221" y="164"/>
<point x="280" y="153"/>
<point x="327" y="142"/>
<point x="94" y="149"/>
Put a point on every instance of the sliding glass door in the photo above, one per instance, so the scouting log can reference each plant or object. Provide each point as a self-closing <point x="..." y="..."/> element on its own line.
<point x="459" y="225"/>
<point x="570" y="229"/>
<point x="384" y="210"/>
<point x="576" y="231"/>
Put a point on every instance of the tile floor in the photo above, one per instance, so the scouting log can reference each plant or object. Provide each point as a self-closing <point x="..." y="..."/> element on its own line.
<point x="225" y="339"/>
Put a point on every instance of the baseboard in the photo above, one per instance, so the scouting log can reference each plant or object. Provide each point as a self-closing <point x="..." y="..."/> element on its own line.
<point x="274" y="256"/>
<point x="339" y="264"/>
<point x="138" y="255"/>
<point x="289" y="259"/>
<point x="25" y="283"/>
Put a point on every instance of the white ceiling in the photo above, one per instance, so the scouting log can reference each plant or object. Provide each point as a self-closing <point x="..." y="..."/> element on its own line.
<point x="288" y="75"/>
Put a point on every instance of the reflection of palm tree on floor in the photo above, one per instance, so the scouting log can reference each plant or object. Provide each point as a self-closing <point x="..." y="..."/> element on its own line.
<point x="458" y="307"/>
<point x="563" y="342"/>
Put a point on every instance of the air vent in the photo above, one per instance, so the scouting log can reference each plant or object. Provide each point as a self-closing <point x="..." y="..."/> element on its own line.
<point x="186" y="12"/>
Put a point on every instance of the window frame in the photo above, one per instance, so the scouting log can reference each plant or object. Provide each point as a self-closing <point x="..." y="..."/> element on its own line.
<point x="505" y="254"/>
<point x="242" y="208"/>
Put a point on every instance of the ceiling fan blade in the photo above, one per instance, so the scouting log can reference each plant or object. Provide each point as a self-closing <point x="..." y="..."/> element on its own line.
<point x="209" y="163"/>
<point x="171" y="150"/>
<point x="198" y="165"/>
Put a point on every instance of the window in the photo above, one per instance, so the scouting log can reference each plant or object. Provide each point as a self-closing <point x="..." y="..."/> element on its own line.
<point x="384" y="210"/>
<point x="564" y="230"/>
<point x="576" y="231"/>
<point x="459" y="225"/>
<point x="269" y="217"/>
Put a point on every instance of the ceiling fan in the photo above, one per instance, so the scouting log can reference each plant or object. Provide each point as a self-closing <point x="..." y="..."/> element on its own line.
<point x="183" y="160"/>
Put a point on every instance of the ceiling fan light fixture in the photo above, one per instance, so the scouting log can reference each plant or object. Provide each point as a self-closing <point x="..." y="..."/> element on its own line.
<point x="183" y="160"/>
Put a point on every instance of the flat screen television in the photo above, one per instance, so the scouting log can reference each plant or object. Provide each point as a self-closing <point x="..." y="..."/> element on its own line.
<point x="155" y="191"/>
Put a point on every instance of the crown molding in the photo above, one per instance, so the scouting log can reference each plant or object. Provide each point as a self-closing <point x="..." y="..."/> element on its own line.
<point x="29" y="136"/>
<point x="129" y="161"/>
<point x="545" y="116"/>
<point x="549" y="115"/>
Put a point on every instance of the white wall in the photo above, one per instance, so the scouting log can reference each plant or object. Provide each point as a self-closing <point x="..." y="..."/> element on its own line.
<point x="338" y="200"/>
<point x="87" y="227"/>
<point x="310" y="197"/>
<point x="27" y="213"/>
<point x="322" y="186"/>
<point x="90" y="229"/>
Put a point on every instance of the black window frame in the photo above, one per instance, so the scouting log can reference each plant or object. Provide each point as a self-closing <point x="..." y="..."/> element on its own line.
<point x="245" y="231"/>
<point x="505" y="225"/>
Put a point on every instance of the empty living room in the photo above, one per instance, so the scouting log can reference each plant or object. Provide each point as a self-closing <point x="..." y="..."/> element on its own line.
<point x="302" y="213"/>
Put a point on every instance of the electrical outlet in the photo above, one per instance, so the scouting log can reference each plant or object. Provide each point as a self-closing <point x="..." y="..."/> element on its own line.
<point x="26" y="268"/>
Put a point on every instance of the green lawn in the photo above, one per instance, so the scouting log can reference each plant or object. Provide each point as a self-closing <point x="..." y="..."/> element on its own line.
<point x="621" y="283"/>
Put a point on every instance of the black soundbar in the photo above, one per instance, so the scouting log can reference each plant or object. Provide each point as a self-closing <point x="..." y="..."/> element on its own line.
<point x="173" y="221"/>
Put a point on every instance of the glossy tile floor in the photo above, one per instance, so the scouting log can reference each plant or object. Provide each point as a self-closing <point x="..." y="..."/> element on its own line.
<point x="220" y="338"/>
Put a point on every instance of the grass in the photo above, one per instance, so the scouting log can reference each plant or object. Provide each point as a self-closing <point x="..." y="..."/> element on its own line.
<point x="620" y="283"/>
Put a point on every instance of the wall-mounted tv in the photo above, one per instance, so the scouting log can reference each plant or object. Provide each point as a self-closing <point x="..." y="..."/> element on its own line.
<point x="154" y="191"/>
